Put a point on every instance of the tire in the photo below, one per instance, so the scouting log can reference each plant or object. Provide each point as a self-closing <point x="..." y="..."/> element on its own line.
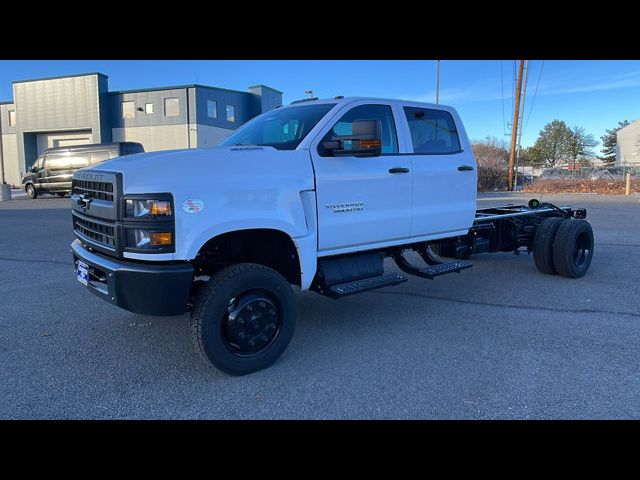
<point x="543" y="244"/>
<point x="32" y="193"/>
<point x="223" y="326"/>
<point x="573" y="248"/>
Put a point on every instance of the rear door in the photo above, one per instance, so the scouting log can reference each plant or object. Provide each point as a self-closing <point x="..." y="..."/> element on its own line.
<point x="444" y="171"/>
<point x="362" y="201"/>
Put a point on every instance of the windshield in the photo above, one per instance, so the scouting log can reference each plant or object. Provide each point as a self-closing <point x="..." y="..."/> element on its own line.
<point x="283" y="129"/>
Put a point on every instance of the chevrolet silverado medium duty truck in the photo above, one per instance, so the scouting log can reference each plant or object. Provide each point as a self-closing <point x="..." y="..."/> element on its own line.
<point x="311" y="196"/>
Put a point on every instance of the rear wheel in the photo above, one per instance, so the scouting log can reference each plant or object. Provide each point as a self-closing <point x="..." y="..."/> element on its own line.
<point x="573" y="248"/>
<point x="244" y="318"/>
<point x="31" y="191"/>
<point x="543" y="244"/>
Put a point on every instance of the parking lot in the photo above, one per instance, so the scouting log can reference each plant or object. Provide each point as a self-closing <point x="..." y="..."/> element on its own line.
<point x="497" y="341"/>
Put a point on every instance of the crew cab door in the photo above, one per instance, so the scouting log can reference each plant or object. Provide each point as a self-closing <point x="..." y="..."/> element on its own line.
<point x="362" y="201"/>
<point x="444" y="172"/>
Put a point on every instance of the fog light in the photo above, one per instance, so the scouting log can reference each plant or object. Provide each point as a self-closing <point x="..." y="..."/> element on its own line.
<point x="139" y="238"/>
<point x="160" y="238"/>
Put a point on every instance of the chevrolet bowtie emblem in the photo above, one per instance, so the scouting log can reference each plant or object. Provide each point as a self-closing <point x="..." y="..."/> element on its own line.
<point x="83" y="201"/>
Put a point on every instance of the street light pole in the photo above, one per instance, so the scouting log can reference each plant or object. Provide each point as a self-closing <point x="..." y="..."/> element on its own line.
<point x="437" y="81"/>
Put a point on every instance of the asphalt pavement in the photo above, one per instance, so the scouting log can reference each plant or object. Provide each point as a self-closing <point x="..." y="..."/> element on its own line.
<point x="499" y="340"/>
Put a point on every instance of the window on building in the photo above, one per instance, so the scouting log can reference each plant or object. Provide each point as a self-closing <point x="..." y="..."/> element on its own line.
<point x="128" y="110"/>
<point x="12" y="118"/>
<point x="148" y="108"/>
<point x="171" y="107"/>
<point x="212" y="109"/>
<point x="432" y="131"/>
<point x="231" y="113"/>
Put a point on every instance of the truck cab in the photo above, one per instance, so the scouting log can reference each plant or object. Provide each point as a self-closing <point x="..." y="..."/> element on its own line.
<point x="313" y="195"/>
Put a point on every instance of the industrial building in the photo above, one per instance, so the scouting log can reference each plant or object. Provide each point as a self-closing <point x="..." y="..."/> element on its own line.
<point x="80" y="109"/>
<point x="628" y="146"/>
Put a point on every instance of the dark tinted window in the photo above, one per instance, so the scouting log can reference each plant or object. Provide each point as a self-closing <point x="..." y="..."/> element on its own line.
<point x="131" y="148"/>
<point x="369" y="112"/>
<point x="432" y="131"/>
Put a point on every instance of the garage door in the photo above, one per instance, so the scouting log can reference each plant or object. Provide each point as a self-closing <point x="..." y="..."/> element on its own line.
<point x="62" y="139"/>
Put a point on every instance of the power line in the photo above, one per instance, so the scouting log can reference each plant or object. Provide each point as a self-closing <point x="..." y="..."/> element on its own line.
<point x="534" y="96"/>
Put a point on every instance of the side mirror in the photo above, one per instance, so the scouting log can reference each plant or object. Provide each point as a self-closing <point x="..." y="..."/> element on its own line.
<point x="34" y="169"/>
<point x="365" y="140"/>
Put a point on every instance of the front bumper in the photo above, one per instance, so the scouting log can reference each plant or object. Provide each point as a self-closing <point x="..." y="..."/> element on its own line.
<point x="147" y="289"/>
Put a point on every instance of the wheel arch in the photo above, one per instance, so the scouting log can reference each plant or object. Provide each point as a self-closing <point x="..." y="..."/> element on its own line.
<point x="272" y="247"/>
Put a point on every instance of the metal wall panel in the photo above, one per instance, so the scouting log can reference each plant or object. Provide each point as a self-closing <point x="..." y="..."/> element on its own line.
<point x="55" y="104"/>
<point x="628" y="145"/>
<point x="12" y="172"/>
<point x="142" y="119"/>
<point x="155" y="137"/>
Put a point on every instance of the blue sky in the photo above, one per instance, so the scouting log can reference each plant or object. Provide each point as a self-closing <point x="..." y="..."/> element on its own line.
<point x="591" y="94"/>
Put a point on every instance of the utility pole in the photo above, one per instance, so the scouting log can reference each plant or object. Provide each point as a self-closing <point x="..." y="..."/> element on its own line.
<point x="437" y="81"/>
<point x="514" y="131"/>
<point x="524" y="94"/>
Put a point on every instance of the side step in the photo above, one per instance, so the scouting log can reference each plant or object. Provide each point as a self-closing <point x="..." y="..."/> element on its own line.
<point x="436" y="270"/>
<point x="357" y="286"/>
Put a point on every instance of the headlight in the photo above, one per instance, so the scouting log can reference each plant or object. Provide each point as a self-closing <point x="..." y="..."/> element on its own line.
<point x="140" y="238"/>
<point x="148" y="208"/>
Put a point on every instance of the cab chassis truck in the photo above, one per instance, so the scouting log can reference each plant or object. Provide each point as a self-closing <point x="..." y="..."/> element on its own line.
<point x="314" y="195"/>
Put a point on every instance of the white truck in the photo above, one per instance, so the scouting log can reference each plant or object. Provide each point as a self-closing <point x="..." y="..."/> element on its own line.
<point x="314" y="195"/>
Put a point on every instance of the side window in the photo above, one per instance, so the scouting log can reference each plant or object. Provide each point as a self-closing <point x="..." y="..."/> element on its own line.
<point x="432" y="131"/>
<point x="58" y="162"/>
<point x="369" y="112"/>
<point x="97" y="157"/>
<point x="40" y="163"/>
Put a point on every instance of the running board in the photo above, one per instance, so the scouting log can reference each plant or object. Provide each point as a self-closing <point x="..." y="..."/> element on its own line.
<point x="433" y="270"/>
<point x="358" y="286"/>
<point x="437" y="270"/>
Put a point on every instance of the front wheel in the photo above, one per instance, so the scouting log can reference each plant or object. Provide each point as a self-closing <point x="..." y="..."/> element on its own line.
<point x="244" y="318"/>
<point x="31" y="191"/>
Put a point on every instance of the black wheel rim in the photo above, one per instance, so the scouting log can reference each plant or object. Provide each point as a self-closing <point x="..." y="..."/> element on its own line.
<point x="582" y="249"/>
<point x="251" y="323"/>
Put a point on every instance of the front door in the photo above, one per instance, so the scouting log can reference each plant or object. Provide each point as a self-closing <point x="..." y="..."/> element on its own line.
<point x="40" y="180"/>
<point x="362" y="201"/>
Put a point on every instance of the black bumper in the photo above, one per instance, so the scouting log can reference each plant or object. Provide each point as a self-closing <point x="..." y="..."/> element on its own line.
<point x="147" y="289"/>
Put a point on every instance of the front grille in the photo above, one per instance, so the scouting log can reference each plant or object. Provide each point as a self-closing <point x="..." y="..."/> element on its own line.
<point x="98" y="231"/>
<point x="98" y="190"/>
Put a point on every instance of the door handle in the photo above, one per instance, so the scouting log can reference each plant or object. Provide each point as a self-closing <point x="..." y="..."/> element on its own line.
<point x="463" y="168"/>
<point x="398" y="170"/>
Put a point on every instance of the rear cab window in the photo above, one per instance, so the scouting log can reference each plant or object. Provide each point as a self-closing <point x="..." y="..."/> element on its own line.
<point x="433" y="132"/>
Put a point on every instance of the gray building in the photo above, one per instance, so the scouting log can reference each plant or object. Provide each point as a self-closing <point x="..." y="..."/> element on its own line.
<point x="80" y="109"/>
<point x="628" y="145"/>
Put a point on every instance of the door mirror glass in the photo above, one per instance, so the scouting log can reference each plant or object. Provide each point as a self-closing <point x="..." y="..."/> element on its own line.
<point x="365" y="140"/>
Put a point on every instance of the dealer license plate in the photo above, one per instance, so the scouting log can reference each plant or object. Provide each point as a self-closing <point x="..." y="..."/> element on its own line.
<point x="82" y="272"/>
